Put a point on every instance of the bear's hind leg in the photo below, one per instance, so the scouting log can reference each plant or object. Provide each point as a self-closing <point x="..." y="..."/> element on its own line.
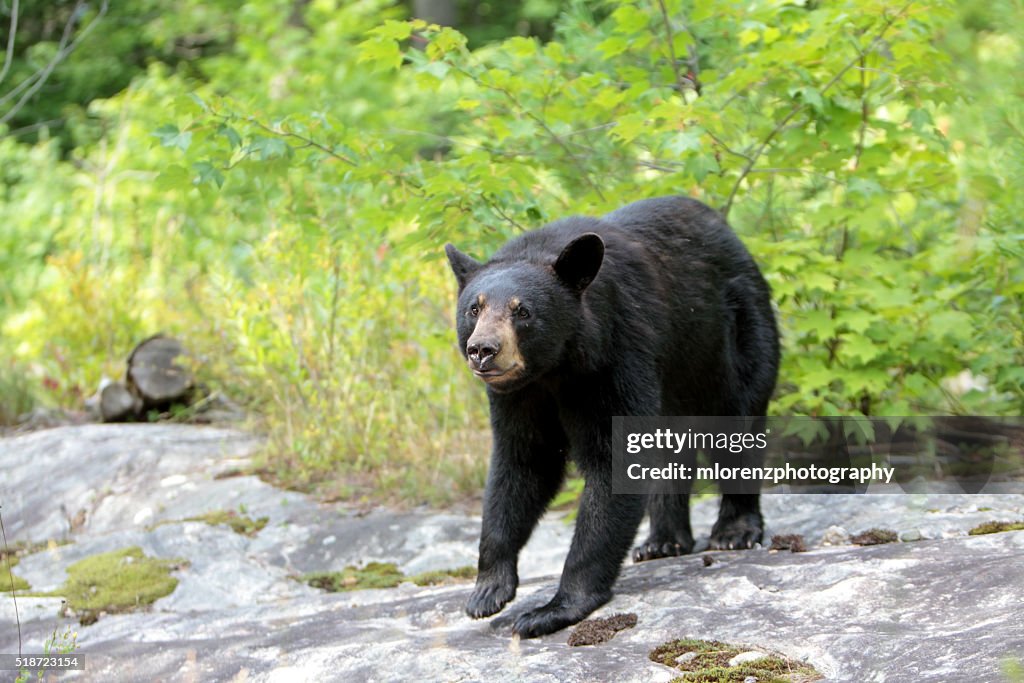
<point x="740" y="524"/>
<point x="670" y="528"/>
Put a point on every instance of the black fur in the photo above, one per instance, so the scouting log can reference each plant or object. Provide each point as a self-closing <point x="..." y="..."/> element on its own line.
<point x="654" y="309"/>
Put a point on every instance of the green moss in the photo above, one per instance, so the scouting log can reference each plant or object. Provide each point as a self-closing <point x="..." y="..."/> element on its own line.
<point x="238" y="521"/>
<point x="875" y="537"/>
<point x="20" y="584"/>
<point x="1013" y="669"/>
<point x="8" y="561"/>
<point x="442" y="576"/>
<point x="373" y="575"/>
<point x="996" y="527"/>
<point x="11" y="556"/>
<point x="382" y="575"/>
<point x="118" y="581"/>
<point x="15" y="551"/>
<point x="709" y="663"/>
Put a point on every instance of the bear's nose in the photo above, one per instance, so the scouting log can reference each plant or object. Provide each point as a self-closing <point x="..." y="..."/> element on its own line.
<point x="482" y="352"/>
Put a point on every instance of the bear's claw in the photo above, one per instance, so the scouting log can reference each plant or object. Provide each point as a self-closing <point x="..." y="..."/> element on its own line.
<point x="739" y="533"/>
<point x="557" y="614"/>
<point x="654" y="550"/>
<point x="490" y="597"/>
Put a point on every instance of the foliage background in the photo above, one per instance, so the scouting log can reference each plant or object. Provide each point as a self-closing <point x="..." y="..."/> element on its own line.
<point x="273" y="180"/>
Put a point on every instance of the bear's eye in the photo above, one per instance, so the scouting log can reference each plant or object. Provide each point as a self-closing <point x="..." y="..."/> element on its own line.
<point x="474" y="311"/>
<point x="523" y="312"/>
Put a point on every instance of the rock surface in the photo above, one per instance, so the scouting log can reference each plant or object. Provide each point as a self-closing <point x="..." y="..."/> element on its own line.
<point x="948" y="607"/>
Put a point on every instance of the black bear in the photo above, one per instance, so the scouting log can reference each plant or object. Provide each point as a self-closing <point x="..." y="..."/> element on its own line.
<point x="654" y="309"/>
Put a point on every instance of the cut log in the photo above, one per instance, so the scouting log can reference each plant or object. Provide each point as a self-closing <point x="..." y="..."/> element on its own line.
<point x="156" y="375"/>
<point x="118" y="404"/>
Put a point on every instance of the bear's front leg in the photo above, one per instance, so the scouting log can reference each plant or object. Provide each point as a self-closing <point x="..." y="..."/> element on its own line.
<point x="605" y="528"/>
<point x="527" y="468"/>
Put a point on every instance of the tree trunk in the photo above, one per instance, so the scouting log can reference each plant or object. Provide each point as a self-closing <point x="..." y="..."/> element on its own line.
<point x="443" y="12"/>
<point x="155" y="376"/>
<point x="117" y="404"/>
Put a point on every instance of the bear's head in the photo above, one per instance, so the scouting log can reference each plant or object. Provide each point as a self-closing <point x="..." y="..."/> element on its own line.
<point x="515" y="318"/>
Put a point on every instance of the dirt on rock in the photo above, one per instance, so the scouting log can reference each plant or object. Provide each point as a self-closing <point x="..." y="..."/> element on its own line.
<point x="594" y="631"/>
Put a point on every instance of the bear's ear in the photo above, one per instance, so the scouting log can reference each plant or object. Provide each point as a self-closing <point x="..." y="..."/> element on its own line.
<point x="579" y="262"/>
<point x="462" y="265"/>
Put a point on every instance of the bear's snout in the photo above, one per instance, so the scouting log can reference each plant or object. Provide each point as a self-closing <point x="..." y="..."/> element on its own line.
<point x="482" y="352"/>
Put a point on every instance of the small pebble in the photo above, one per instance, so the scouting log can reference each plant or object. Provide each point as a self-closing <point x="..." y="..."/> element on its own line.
<point x="835" y="535"/>
<point x="746" y="657"/>
<point x="792" y="542"/>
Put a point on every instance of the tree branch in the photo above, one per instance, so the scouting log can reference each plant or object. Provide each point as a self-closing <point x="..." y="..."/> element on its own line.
<point x="496" y="208"/>
<point x="61" y="46"/>
<point x="798" y="107"/>
<point x="727" y="148"/>
<point x="670" y="40"/>
<point x="9" y="57"/>
<point x="544" y="126"/>
<point x="863" y="114"/>
<point x="32" y="127"/>
<point x="63" y="50"/>
<point x="309" y="141"/>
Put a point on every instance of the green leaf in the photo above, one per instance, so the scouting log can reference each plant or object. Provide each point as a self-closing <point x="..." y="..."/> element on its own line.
<point x="810" y="96"/>
<point x="199" y="101"/>
<point x="234" y="139"/>
<point x="748" y="37"/>
<point x="382" y="53"/>
<point x="393" y="30"/>
<point x="629" y="19"/>
<point x="521" y="46"/>
<point x="686" y="141"/>
<point x="629" y="126"/>
<point x="208" y="173"/>
<point x="173" y="177"/>
<point x="613" y="46"/>
<point x="701" y="165"/>
<point x="265" y="148"/>
<point x="858" y="348"/>
<point x="445" y="41"/>
<point x="920" y="119"/>
<point x="170" y="136"/>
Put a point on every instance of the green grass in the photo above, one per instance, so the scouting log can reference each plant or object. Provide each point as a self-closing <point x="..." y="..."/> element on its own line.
<point x="17" y="396"/>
